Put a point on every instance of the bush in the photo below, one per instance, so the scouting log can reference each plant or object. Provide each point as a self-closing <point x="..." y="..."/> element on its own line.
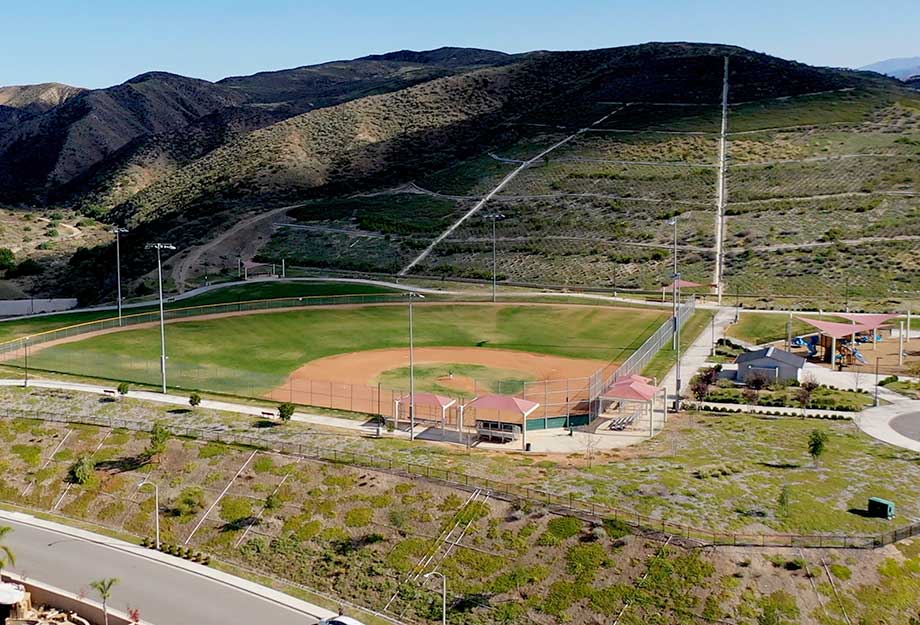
<point x="359" y="517"/>
<point x="194" y="400"/>
<point x="190" y="501"/>
<point x="286" y="411"/>
<point x="123" y="388"/>
<point x="7" y="259"/>
<point x="82" y="470"/>
<point x="564" y="527"/>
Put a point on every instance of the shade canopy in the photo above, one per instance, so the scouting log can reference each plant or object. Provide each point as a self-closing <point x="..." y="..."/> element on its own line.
<point x="682" y="284"/>
<point x="504" y="403"/>
<point x="867" y="319"/>
<point x="428" y="399"/>
<point x="837" y="330"/>
<point x="632" y="390"/>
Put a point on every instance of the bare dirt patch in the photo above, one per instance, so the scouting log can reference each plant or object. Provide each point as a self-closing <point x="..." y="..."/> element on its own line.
<point x="364" y="367"/>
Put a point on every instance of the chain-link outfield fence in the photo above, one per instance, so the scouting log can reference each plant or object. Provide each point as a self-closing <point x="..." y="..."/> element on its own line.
<point x="562" y="402"/>
<point x="560" y="504"/>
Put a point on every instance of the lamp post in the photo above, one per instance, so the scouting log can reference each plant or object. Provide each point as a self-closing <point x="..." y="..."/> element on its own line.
<point x="156" y="506"/>
<point x="118" y="232"/>
<point x="676" y="292"/>
<point x="494" y="217"/>
<point x="25" y="345"/>
<point x="443" y="594"/>
<point x="412" y="295"/>
<point x="877" y="358"/>
<point x="158" y="247"/>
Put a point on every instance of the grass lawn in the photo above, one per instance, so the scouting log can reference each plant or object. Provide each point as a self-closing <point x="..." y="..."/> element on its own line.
<point x="252" y="354"/>
<point x="664" y="359"/>
<point x="911" y="389"/>
<point x="263" y="290"/>
<point x="759" y="328"/>
<point x="434" y="379"/>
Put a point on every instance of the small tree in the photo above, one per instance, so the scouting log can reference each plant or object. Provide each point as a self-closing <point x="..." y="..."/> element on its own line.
<point x="159" y="436"/>
<point x="104" y="588"/>
<point x="749" y="396"/>
<point x="699" y="388"/>
<point x="756" y="380"/>
<point x="782" y="501"/>
<point x="809" y="382"/>
<point x="81" y="472"/>
<point x="7" y="259"/>
<point x="194" y="400"/>
<point x="123" y="388"/>
<point x="803" y="398"/>
<point x="286" y="411"/>
<point x="817" y="444"/>
<point x="7" y="557"/>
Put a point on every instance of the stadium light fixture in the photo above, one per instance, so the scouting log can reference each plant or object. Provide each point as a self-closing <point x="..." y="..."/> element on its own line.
<point x="159" y="247"/>
<point x="675" y="291"/>
<point x="117" y="231"/>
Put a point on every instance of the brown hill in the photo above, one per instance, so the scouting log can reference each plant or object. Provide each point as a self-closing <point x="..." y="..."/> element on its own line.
<point x="37" y="98"/>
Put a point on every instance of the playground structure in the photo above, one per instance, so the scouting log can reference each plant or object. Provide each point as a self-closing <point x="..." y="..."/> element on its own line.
<point x="854" y="344"/>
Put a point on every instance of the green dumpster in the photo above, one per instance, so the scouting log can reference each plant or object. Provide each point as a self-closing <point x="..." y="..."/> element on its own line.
<point x="879" y="507"/>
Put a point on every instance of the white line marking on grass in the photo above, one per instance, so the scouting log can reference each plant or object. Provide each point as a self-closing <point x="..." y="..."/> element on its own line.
<point x="219" y="497"/>
<point x="47" y="462"/>
<point x="262" y="511"/>
<point x="70" y="484"/>
<point x="492" y="193"/>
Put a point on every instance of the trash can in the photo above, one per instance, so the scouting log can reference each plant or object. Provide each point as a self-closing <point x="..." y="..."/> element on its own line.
<point x="881" y="508"/>
<point x="526" y="446"/>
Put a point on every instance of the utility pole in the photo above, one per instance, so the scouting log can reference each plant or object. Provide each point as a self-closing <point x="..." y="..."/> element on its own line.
<point x="674" y="277"/>
<point x="158" y="247"/>
<point x="901" y="345"/>
<point x="494" y="217"/>
<point x="117" y="232"/>
<point x="25" y="343"/>
<point x="877" y="358"/>
<point x="676" y="292"/>
<point x="412" y="295"/>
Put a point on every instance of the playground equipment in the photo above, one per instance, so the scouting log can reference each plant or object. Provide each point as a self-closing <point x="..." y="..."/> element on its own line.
<point x="808" y="342"/>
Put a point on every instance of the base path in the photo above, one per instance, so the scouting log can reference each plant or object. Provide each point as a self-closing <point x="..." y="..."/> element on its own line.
<point x="166" y="590"/>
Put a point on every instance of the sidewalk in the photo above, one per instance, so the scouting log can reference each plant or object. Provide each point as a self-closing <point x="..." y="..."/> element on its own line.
<point x="696" y="356"/>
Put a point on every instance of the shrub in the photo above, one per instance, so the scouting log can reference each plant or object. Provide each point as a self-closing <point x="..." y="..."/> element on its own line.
<point x="286" y="411"/>
<point x="359" y="517"/>
<point x="584" y="559"/>
<point x="235" y="508"/>
<point x="123" y="388"/>
<point x="564" y="527"/>
<point x="82" y="471"/>
<point x="194" y="400"/>
<point x="616" y="528"/>
<point x="189" y="502"/>
<point x="7" y="259"/>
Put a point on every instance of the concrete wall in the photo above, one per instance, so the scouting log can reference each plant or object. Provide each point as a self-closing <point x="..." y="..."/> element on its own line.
<point x="20" y="307"/>
<point x="45" y="595"/>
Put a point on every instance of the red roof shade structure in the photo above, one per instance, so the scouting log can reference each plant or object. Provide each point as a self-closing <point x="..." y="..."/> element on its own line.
<point x="837" y="330"/>
<point x="632" y="390"/>
<point x="635" y="377"/>
<point x="682" y="284"/>
<point x="504" y="403"/>
<point x="868" y="320"/>
<point x="428" y="399"/>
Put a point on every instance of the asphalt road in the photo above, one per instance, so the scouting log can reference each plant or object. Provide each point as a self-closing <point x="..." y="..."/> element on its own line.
<point x="907" y="425"/>
<point x="164" y="594"/>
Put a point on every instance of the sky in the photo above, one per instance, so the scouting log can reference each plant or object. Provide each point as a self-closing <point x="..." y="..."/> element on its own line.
<point x="97" y="43"/>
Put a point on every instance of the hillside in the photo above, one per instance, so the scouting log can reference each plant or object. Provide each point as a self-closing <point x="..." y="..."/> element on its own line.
<point x="37" y="98"/>
<point x="901" y="68"/>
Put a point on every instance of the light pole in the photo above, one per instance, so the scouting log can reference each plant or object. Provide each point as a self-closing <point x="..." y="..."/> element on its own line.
<point x="676" y="292"/>
<point x="156" y="506"/>
<point x="443" y="594"/>
<point x="25" y="345"/>
<point x="412" y="295"/>
<point x="118" y="232"/>
<point x="877" y="358"/>
<point x="158" y="247"/>
<point x="494" y="217"/>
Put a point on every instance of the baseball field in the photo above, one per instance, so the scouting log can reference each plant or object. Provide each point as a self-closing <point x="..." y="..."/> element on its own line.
<point x="460" y="347"/>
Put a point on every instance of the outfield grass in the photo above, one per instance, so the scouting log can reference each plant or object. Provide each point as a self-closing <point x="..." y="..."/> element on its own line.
<point x="252" y="354"/>
<point x="260" y="290"/>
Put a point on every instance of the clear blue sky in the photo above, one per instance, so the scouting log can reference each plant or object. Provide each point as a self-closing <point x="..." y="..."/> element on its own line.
<point x="96" y="43"/>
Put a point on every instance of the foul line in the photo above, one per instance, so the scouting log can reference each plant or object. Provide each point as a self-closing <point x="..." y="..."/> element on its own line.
<point x="493" y="192"/>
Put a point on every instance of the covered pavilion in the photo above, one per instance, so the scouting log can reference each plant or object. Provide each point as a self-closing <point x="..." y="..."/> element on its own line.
<point x="637" y="390"/>
<point x="440" y="403"/>
<point x="505" y="416"/>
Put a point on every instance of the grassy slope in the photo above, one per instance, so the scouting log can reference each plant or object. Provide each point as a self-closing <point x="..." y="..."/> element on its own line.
<point x="259" y="351"/>
<point x="14" y="329"/>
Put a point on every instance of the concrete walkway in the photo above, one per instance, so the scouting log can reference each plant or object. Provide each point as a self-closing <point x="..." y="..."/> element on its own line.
<point x="696" y="356"/>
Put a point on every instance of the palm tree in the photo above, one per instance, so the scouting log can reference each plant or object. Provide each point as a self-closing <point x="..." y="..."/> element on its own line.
<point x="104" y="588"/>
<point x="6" y="554"/>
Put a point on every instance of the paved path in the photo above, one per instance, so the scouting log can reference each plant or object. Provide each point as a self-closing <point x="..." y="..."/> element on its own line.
<point x="907" y="425"/>
<point x="696" y="356"/>
<point x="166" y="590"/>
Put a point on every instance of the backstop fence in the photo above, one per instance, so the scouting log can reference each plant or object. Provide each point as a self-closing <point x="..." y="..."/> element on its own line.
<point x="567" y="503"/>
<point x="564" y="402"/>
